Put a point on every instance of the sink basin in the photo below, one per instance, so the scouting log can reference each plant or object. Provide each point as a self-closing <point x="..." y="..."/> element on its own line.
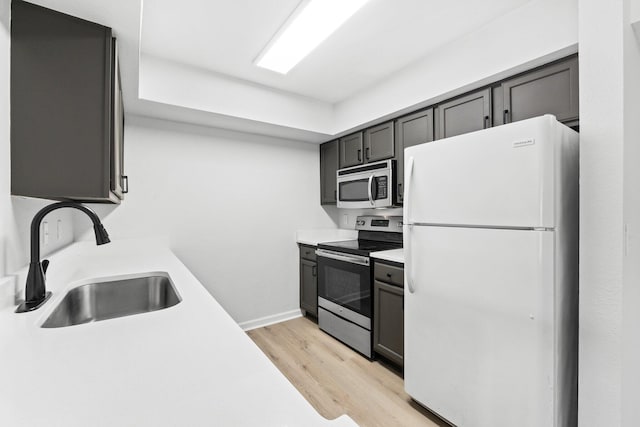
<point x="110" y="299"/>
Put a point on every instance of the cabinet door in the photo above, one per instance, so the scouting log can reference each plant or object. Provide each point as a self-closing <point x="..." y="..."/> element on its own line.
<point x="388" y="315"/>
<point x="411" y="130"/>
<point x="351" y="150"/>
<point x="328" y="169"/>
<point x="309" y="286"/>
<point x="549" y="90"/>
<point x="119" y="181"/>
<point x="465" y="114"/>
<point x="62" y="106"/>
<point x="379" y="142"/>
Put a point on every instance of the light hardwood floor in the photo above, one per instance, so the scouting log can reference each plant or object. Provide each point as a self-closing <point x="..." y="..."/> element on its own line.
<point x="336" y="380"/>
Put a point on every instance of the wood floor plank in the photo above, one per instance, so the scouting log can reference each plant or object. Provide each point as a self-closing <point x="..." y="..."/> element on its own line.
<point x="337" y="380"/>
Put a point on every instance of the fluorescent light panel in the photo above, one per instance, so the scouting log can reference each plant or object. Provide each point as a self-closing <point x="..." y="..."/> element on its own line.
<point x="311" y="23"/>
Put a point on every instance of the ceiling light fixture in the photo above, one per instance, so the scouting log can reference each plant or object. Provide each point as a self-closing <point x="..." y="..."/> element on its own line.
<point x="309" y="25"/>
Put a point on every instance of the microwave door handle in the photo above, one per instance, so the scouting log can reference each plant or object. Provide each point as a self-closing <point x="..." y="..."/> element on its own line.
<point x="370" y="190"/>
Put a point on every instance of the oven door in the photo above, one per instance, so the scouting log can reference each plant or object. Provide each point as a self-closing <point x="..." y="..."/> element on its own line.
<point x="344" y="280"/>
<point x="368" y="186"/>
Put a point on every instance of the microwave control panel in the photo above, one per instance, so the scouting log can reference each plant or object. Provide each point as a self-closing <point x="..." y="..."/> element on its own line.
<point x="382" y="187"/>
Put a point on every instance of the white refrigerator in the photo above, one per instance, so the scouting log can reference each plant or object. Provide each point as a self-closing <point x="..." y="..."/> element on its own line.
<point x="491" y="275"/>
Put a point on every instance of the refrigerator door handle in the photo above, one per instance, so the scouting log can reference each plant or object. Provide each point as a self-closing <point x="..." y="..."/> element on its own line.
<point x="407" y="190"/>
<point x="407" y="225"/>
<point x="408" y="262"/>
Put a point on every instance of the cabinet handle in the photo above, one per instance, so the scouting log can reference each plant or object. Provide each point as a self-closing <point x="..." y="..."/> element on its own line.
<point x="400" y="191"/>
<point x="335" y="194"/>
<point x="366" y="153"/>
<point x="486" y="122"/>
<point x="389" y="275"/>
<point x="125" y="184"/>
<point x="314" y="270"/>
<point x="505" y="117"/>
<point x="359" y="155"/>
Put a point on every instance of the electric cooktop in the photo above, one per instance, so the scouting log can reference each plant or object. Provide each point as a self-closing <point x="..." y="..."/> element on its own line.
<point x="360" y="246"/>
<point x="375" y="233"/>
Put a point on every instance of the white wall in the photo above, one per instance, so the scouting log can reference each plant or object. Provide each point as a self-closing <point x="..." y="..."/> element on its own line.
<point x="610" y="216"/>
<point x="538" y="32"/>
<point x="230" y="204"/>
<point x="16" y="213"/>
<point x="631" y="271"/>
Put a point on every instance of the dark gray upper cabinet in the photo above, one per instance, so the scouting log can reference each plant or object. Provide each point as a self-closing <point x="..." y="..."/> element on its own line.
<point x="351" y="150"/>
<point x="328" y="168"/>
<point x="388" y="312"/>
<point x="379" y="142"/>
<point x="66" y="107"/>
<point x="308" y="280"/>
<point x="552" y="89"/>
<point x="467" y="113"/>
<point x="497" y="105"/>
<point x="416" y="128"/>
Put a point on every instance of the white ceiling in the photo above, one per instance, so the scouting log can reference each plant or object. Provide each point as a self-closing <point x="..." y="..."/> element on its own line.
<point x="225" y="36"/>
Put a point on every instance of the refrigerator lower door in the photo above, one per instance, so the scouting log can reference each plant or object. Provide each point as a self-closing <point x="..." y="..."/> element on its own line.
<point x="479" y="325"/>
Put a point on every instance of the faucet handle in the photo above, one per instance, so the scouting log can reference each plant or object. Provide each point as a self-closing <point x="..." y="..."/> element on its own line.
<point x="45" y="265"/>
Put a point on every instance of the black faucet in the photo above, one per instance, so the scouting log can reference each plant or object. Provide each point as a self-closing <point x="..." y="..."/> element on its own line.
<point x="35" y="293"/>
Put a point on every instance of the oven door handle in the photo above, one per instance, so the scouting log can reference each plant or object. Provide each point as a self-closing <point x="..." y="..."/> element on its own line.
<point x="353" y="259"/>
<point x="370" y="190"/>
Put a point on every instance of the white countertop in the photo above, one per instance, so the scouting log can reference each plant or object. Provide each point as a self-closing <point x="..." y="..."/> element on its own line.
<point x="189" y="364"/>
<point x="320" y="235"/>
<point x="395" y="255"/>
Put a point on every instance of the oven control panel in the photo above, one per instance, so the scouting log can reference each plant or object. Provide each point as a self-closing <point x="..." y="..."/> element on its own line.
<point x="379" y="223"/>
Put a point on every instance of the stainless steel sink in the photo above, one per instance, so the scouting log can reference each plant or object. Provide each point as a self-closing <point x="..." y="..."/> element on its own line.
<point x="107" y="300"/>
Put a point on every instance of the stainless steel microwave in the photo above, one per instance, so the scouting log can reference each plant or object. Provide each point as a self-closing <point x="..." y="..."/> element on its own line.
<point x="367" y="186"/>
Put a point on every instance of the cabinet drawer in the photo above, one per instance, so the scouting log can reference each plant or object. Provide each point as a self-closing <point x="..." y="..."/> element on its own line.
<point x="389" y="274"/>
<point x="308" y="252"/>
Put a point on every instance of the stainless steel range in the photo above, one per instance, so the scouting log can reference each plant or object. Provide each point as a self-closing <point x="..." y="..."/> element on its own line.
<point x="344" y="280"/>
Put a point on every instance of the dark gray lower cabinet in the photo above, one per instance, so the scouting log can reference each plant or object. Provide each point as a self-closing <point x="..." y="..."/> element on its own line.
<point x="328" y="168"/>
<point x="465" y="114"/>
<point x="388" y="312"/>
<point x="308" y="280"/>
<point x="552" y="89"/>
<point x="414" y="129"/>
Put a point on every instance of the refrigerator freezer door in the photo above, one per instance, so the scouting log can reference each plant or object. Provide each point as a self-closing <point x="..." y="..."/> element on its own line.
<point x="503" y="176"/>
<point x="479" y="326"/>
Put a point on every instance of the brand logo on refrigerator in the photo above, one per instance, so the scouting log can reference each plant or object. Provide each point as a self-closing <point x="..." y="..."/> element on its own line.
<point x="524" y="143"/>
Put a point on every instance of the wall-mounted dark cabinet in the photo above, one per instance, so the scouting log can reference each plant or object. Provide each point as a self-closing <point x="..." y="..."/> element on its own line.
<point x="552" y="89"/>
<point x="549" y="89"/>
<point x="414" y="129"/>
<point x="351" y="150"/>
<point x="465" y="114"/>
<point x="388" y="311"/>
<point x="308" y="280"/>
<point x="66" y="108"/>
<point x="374" y="144"/>
<point x="379" y="142"/>
<point x="328" y="167"/>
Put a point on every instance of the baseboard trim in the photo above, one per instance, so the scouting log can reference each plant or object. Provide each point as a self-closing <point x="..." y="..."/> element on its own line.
<point x="270" y="320"/>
